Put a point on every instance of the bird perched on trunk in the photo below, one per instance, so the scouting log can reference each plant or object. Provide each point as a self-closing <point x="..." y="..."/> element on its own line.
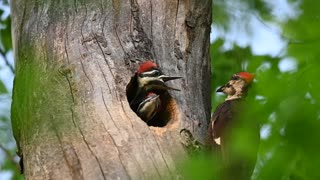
<point x="146" y="88"/>
<point x="238" y="157"/>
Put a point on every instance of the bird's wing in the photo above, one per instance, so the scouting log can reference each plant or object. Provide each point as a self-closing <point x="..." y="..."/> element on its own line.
<point x="221" y="118"/>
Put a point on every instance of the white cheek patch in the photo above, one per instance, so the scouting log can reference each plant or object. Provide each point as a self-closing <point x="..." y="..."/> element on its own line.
<point x="145" y="80"/>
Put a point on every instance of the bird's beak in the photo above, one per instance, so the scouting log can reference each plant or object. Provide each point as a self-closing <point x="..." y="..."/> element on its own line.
<point x="168" y="78"/>
<point x="165" y="87"/>
<point x="221" y="88"/>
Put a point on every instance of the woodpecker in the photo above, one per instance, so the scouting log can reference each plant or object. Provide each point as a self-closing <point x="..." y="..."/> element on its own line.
<point x="225" y="121"/>
<point x="237" y="86"/>
<point x="149" y="107"/>
<point x="145" y="85"/>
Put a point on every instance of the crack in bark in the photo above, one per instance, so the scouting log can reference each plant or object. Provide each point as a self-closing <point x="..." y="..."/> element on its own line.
<point x="119" y="155"/>
<point x="75" y="6"/>
<point x="106" y="61"/>
<point x="140" y="41"/>
<point x="135" y="136"/>
<point x="156" y="167"/>
<point x="84" y="71"/>
<point x="176" y="19"/>
<point x="39" y="14"/>
<point x="22" y="20"/>
<point x="101" y="5"/>
<point x="131" y="34"/>
<point x="72" y="112"/>
<point x="103" y="23"/>
<point x="53" y="126"/>
<point x="104" y="77"/>
<point x="175" y="23"/>
<point x="119" y="132"/>
<point x="66" y="40"/>
<point x="162" y="154"/>
<point x="88" y="146"/>
<point x="105" y="105"/>
<point x="113" y="141"/>
<point x="151" y="26"/>
<point x="177" y="51"/>
<point x="122" y="47"/>
<point x="82" y="25"/>
<point x="72" y="160"/>
<point x="125" y="112"/>
<point x="104" y="57"/>
<point x="70" y="87"/>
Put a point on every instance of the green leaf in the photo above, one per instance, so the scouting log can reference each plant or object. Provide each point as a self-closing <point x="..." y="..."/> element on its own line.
<point x="3" y="88"/>
<point x="5" y="35"/>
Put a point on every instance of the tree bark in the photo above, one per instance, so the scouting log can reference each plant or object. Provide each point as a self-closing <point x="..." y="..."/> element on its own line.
<point x="70" y="113"/>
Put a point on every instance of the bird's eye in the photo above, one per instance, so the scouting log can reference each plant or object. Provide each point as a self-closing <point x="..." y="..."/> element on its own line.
<point x="235" y="77"/>
<point x="156" y="73"/>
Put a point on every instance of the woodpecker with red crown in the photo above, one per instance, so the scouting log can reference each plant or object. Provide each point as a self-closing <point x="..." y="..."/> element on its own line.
<point x="226" y="121"/>
<point x="146" y="88"/>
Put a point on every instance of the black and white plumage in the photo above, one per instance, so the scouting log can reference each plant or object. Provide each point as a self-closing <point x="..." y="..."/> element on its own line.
<point x="148" y="79"/>
<point x="149" y="107"/>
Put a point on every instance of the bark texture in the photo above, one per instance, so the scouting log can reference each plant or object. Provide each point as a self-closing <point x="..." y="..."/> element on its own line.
<point x="70" y="114"/>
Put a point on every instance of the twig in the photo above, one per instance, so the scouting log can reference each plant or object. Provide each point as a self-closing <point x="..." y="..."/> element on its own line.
<point x="6" y="60"/>
<point x="10" y="157"/>
<point x="7" y="152"/>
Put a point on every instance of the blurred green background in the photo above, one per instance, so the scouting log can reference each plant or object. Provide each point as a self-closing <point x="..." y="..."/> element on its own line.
<point x="279" y="41"/>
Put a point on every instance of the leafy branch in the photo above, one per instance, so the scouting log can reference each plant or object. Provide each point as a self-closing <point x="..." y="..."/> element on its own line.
<point x="6" y="60"/>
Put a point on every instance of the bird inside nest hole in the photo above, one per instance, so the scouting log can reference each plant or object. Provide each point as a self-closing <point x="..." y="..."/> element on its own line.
<point x="149" y="97"/>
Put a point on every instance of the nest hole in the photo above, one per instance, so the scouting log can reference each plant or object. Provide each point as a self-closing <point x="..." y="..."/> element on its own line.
<point x="167" y="114"/>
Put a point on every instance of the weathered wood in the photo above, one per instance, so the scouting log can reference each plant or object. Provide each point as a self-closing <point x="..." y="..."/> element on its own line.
<point x="70" y="115"/>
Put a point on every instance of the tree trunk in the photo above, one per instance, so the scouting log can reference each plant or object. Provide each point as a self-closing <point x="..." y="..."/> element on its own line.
<point x="70" y="113"/>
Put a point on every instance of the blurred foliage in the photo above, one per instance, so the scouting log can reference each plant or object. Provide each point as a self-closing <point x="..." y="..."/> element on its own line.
<point x="5" y="29"/>
<point x="3" y="89"/>
<point x="284" y="98"/>
<point x="5" y="35"/>
<point x="8" y="158"/>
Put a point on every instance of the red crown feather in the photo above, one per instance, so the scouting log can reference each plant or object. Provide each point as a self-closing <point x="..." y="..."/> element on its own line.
<point x="248" y="77"/>
<point x="147" y="65"/>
